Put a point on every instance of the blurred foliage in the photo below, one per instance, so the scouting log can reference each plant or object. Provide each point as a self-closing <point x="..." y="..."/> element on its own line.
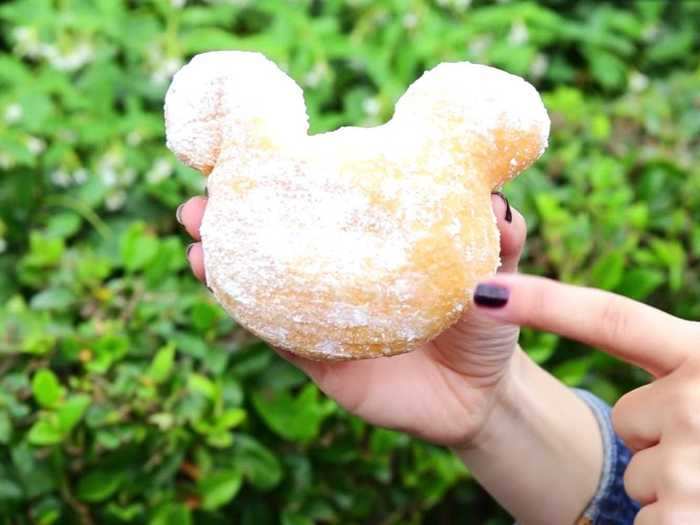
<point x="126" y="395"/>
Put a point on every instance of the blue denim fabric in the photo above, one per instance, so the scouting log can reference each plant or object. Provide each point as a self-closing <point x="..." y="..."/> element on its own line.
<point x="610" y="505"/>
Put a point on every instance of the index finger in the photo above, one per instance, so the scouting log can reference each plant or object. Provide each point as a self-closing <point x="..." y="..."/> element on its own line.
<point x="632" y="331"/>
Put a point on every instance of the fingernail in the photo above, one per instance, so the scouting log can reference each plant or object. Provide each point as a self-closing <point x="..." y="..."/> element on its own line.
<point x="178" y="213"/>
<point x="509" y="213"/>
<point x="491" y="295"/>
<point x="189" y="249"/>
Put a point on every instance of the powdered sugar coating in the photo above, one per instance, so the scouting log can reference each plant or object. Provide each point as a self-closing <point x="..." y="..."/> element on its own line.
<point x="359" y="242"/>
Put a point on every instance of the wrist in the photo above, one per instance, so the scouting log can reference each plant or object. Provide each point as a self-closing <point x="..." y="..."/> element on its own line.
<point x="539" y="443"/>
<point x="507" y="403"/>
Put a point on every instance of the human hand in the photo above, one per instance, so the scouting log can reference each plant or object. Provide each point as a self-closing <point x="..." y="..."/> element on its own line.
<point x="659" y="422"/>
<point x="442" y="392"/>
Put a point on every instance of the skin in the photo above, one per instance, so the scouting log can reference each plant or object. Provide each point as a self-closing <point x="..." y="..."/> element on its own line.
<point x="659" y="422"/>
<point x="473" y="389"/>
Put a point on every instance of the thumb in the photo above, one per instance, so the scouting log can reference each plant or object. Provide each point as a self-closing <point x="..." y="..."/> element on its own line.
<point x="512" y="230"/>
<point x="477" y="345"/>
<point x="632" y="331"/>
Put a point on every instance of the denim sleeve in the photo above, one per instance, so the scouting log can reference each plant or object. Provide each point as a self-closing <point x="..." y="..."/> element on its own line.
<point x="610" y="505"/>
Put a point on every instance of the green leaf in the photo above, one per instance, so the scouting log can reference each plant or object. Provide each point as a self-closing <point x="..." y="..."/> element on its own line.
<point x="53" y="299"/>
<point x="172" y="514"/>
<point x="98" y="485"/>
<point x="297" y="418"/>
<point x="258" y="464"/>
<point x="202" y="385"/>
<point x="44" y="432"/>
<point x="5" y="428"/>
<point x="162" y="364"/>
<point x="72" y="411"/>
<point x="295" y="518"/>
<point x="9" y="490"/>
<point x="383" y="441"/>
<point x="607" y="272"/>
<point x="44" y="252"/>
<point x="672" y="254"/>
<point x="199" y="40"/>
<point x="63" y="225"/>
<point x="542" y="347"/>
<point x="229" y="419"/>
<point x="219" y="487"/>
<point x="639" y="283"/>
<point x="204" y="315"/>
<point x="46" y="388"/>
<point x="137" y="247"/>
<point x="573" y="371"/>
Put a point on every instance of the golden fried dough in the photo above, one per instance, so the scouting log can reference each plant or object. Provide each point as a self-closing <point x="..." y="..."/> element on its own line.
<point x="360" y="242"/>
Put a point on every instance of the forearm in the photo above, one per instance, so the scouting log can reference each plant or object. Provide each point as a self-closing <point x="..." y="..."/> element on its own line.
<point x="540" y="454"/>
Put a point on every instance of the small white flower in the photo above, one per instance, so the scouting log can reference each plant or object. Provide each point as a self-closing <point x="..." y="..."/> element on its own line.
<point x="128" y="176"/>
<point x="371" y="106"/>
<point x="60" y="178"/>
<point x="108" y="176"/>
<point x="13" y="113"/>
<point x="35" y="145"/>
<point x="462" y="5"/>
<point x="72" y="60"/>
<point x="134" y="138"/>
<point x="518" y="33"/>
<point x="651" y="32"/>
<point x="24" y="34"/>
<point x="410" y="20"/>
<point x="3" y="245"/>
<point x="382" y="17"/>
<point x="111" y="159"/>
<point x="478" y="46"/>
<point x="115" y="201"/>
<point x="161" y="170"/>
<point x="165" y="70"/>
<point x="27" y="42"/>
<point x="6" y="162"/>
<point x="178" y="4"/>
<point x="67" y="135"/>
<point x="638" y="81"/>
<point x="237" y="3"/>
<point x="539" y="66"/>
<point x="314" y="77"/>
<point x="80" y="175"/>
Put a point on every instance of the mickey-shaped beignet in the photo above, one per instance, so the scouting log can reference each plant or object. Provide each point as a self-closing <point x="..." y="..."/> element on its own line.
<point x="361" y="242"/>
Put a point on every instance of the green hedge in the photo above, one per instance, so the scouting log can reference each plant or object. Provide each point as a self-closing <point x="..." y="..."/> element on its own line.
<point x="127" y="397"/>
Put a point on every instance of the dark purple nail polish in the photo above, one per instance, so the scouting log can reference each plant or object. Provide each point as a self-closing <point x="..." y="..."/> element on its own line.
<point x="491" y="295"/>
<point x="178" y="213"/>
<point x="509" y="213"/>
<point x="189" y="249"/>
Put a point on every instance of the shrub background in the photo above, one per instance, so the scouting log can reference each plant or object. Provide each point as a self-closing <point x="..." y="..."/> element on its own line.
<point x="127" y="397"/>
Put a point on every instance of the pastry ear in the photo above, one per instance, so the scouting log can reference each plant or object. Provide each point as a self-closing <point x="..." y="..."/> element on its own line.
<point x="225" y="100"/>
<point x="494" y="122"/>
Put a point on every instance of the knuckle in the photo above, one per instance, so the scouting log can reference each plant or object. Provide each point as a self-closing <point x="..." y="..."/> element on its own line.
<point x="621" y="411"/>
<point x="670" y="515"/>
<point x="614" y="320"/>
<point x="685" y="415"/>
<point x="672" y="478"/>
